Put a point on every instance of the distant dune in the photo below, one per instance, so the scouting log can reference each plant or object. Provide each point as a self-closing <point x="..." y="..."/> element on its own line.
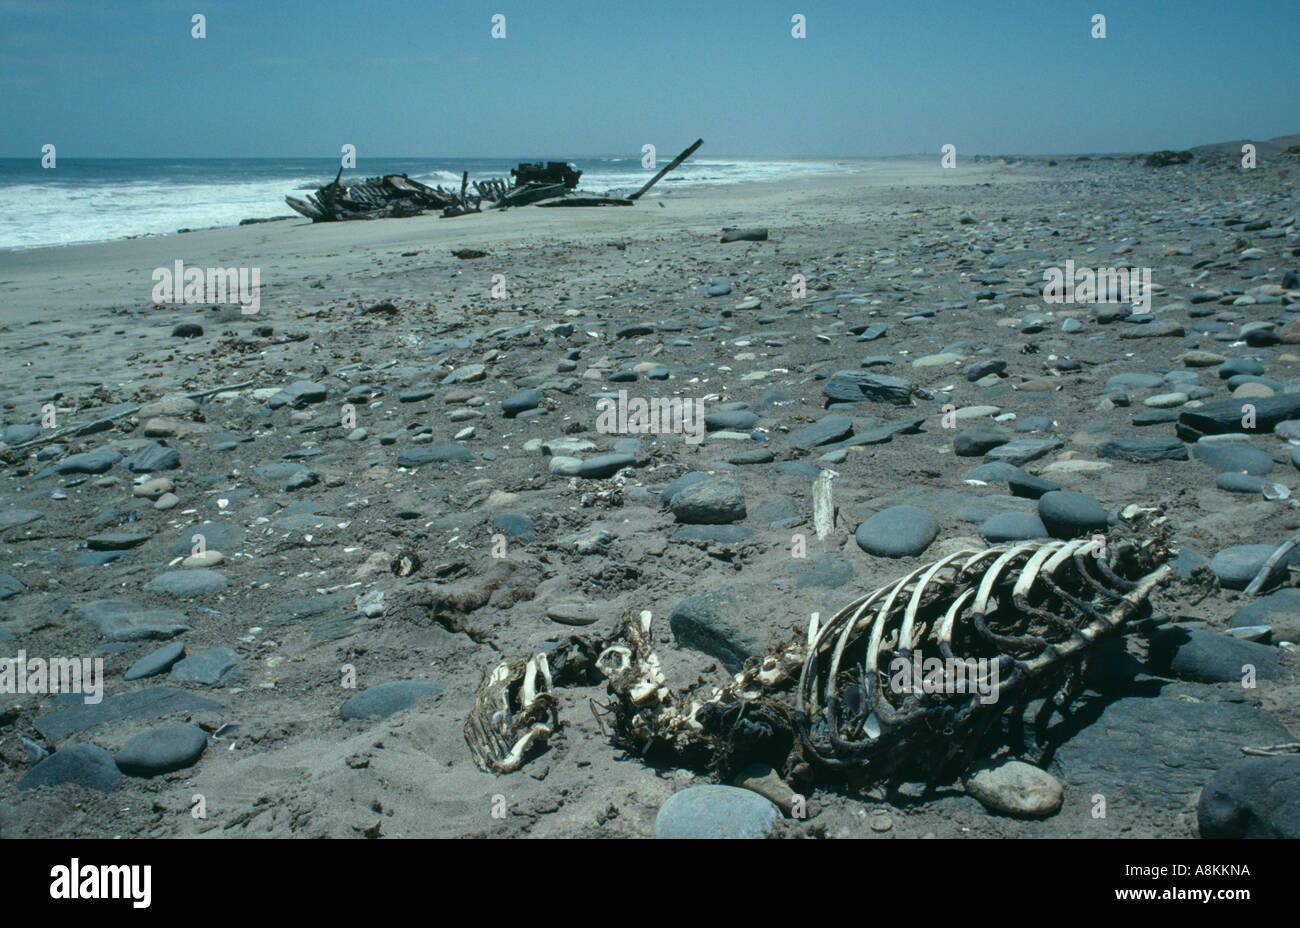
<point x="1269" y="147"/>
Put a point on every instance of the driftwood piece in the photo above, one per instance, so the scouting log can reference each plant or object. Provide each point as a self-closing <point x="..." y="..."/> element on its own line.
<point x="1270" y="572"/>
<point x="676" y="161"/>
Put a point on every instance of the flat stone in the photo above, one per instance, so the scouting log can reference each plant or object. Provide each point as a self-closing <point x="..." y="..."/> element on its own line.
<point x="977" y="441"/>
<point x="213" y="667"/>
<point x="116" y="541"/>
<point x="855" y="386"/>
<point x="162" y="750"/>
<point x="1160" y="750"/>
<point x="185" y="583"/>
<point x="824" y="431"/>
<point x="86" y="765"/>
<point x="151" y="703"/>
<point x="1234" y="456"/>
<point x="156" y="662"/>
<point x="415" y="457"/>
<point x="385" y="699"/>
<point x="730" y="419"/>
<point x="1023" y="450"/>
<point x="1143" y="450"/>
<point x="12" y="518"/>
<point x="123" y="620"/>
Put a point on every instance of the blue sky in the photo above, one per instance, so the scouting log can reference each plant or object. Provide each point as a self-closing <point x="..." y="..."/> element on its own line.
<point x="284" y="78"/>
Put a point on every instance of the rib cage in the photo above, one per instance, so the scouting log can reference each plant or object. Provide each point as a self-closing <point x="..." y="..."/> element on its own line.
<point x="1031" y="612"/>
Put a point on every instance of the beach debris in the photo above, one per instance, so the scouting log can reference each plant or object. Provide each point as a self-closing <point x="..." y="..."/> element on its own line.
<point x="672" y="164"/>
<point x="393" y="195"/>
<point x="1000" y="628"/>
<point x="398" y="196"/>
<point x="744" y="235"/>
<point x="552" y="172"/>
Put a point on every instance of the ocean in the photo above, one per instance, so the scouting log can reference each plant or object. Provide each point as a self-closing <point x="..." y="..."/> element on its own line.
<point x="100" y="199"/>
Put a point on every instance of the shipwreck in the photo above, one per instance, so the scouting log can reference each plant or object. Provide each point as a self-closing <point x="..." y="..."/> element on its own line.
<point x="553" y="183"/>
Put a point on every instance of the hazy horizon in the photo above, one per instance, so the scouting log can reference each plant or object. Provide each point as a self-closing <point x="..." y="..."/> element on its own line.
<point x="301" y="79"/>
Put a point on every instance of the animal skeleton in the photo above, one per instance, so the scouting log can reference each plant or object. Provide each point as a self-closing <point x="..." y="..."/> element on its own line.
<point x="1031" y="612"/>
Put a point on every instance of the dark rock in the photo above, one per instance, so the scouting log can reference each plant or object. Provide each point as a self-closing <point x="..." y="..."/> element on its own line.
<point x="92" y="462"/>
<point x="1234" y="456"/>
<point x="899" y="531"/>
<point x="123" y="620"/>
<point x="162" y="750"/>
<point x="745" y="235"/>
<point x="384" y="699"/>
<point x="1012" y="526"/>
<point x="977" y="441"/>
<point x="156" y="662"/>
<point x="1209" y="657"/>
<point x="714" y="501"/>
<point x="213" y="667"/>
<point x="1143" y="450"/>
<point x="1069" y="515"/>
<point x="151" y="703"/>
<point x="514" y="526"/>
<point x="825" y="430"/>
<point x="1236" y="566"/>
<point x="185" y="583"/>
<point x="154" y="457"/>
<point x="707" y="623"/>
<point x="1254" y="797"/>
<point x="86" y="765"/>
<point x="1280" y="609"/>
<point x="523" y="400"/>
<point x="854" y="386"/>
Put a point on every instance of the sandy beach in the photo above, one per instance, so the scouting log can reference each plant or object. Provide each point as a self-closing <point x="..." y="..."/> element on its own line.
<point x="384" y="402"/>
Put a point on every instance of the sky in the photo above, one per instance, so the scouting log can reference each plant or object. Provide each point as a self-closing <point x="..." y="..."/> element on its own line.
<point x="301" y="78"/>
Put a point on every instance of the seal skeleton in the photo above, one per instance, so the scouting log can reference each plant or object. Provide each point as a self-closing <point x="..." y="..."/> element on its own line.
<point x="818" y="704"/>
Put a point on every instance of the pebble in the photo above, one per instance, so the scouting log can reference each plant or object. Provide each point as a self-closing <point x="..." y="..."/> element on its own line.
<point x="1017" y="788"/>
<point x="710" y="501"/>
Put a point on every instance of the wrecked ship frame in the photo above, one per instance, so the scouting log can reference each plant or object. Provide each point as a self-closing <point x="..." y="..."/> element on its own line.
<point x="397" y="196"/>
